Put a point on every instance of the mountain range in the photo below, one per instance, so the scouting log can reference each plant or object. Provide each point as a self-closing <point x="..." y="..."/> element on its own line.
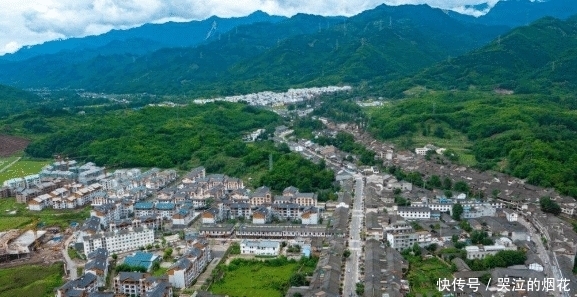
<point x="262" y="52"/>
<point x="387" y="42"/>
<point x="540" y="58"/>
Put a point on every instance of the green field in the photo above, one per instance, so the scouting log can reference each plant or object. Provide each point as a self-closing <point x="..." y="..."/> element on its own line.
<point x="14" y="215"/>
<point x="30" y="280"/>
<point x="20" y="168"/>
<point x="259" y="278"/>
<point x="424" y="274"/>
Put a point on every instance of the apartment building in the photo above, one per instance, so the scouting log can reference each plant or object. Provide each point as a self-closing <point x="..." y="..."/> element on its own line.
<point x="118" y="240"/>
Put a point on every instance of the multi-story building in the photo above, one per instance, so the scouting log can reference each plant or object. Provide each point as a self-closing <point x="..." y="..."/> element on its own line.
<point x="118" y="240"/>
<point x="260" y="247"/>
<point x="81" y="286"/>
<point x="414" y="213"/>
<point x="401" y="241"/>
<point x="190" y="265"/>
<point x="261" y="196"/>
<point x="98" y="265"/>
<point x="141" y="284"/>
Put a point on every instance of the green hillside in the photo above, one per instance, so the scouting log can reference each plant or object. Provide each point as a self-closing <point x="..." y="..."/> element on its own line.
<point x="182" y="137"/>
<point x="13" y="100"/>
<point x="386" y="42"/>
<point x="527" y="136"/>
<point x="539" y="58"/>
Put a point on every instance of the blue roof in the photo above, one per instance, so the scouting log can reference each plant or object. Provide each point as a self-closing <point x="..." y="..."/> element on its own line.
<point x="165" y="205"/>
<point x="141" y="259"/>
<point x="143" y="205"/>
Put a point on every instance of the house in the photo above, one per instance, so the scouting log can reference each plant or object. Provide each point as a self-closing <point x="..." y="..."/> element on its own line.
<point x="240" y="210"/>
<point x="182" y="217"/>
<point x="260" y="247"/>
<point x="182" y="273"/>
<point x="510" y="214"/>
<point x="141" y="284"/>
<point x="261" y="196"/>
<point x="98" y="265"/>
<point x="261" y="216"/>
<point x="217" y="231"/>
<point x="165" y="209"/>
<point x="211" y="216"/>
<point x="310" y="216"/>
<point x="143" y="209"/>
<point x="83" y="285"/>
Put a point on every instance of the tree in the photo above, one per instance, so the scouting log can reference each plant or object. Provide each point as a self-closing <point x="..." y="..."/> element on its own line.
<point x="114" y="257"/>
<point x="346" y="254"/>
<point x="457" y="211"/>
<point x="550" y="206"/>
<point x="298" y="279"/>
<point x="447" y="183"/>
<point x="360" y="289"/>
<point x="155" y="266"/>
<point x="167" y="253"/>
<point x="448" y="193"/>
<point x="432" y="247"/>
<point x="461" y="186"/>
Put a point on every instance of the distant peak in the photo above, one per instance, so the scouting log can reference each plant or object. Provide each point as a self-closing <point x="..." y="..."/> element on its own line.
<point x="259" y="13"/>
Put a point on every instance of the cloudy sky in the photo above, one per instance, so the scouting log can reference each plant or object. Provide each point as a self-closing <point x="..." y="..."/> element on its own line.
<point x="28" y="22"/>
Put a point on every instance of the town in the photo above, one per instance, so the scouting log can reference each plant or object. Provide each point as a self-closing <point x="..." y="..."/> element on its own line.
<point x="167" y="233"/>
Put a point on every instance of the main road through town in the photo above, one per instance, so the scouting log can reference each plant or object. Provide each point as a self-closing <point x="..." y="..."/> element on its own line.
<point x="355" y="243"/>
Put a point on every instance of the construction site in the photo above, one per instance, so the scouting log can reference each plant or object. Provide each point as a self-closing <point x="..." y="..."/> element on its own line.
<point x="21" y="246"/>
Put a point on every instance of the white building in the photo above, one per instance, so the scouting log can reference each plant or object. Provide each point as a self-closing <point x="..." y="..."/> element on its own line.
<point x="401" y="241"/>
<point x="414" y="213"/>
<point x="511" y="215"/>
<point x="476" y="252"/>
<point x="310" y="216"/>
<point x="119" y="240"/>
<point x="260" y="247"/>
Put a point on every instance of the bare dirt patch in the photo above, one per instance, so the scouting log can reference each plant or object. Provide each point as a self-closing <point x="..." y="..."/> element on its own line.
<point x="11" y="144"/>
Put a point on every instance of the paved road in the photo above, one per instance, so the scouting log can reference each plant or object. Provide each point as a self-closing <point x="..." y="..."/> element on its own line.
<point x="201" y="280"/>
<point x="70" y="265"/>
<point x="355" y="243"/>
<point x="549" y="264"/>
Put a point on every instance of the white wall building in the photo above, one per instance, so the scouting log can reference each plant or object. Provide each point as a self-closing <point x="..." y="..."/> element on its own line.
<point x="119" y="240"/>
<point x="260" y="247"/>
<point x="414" y="213"/>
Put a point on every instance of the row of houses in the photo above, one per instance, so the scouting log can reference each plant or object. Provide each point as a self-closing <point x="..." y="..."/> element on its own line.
<point x="432" y="211"/>
<point x="69" y="196"/>
<point x="307" y="215"/>
<point x="283" y="231"/>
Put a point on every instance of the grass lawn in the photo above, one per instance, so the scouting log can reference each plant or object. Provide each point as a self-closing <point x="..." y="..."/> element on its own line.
<point x="424" y="274"/>
<point x="160" y="272"/>
<point x="257" y="278"/>
<point x="28" y="167"/>
<point x="30" y="280"/>
<point x="14" y="215"/>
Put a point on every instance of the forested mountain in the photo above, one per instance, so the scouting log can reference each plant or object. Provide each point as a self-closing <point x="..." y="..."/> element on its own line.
<point x="384" y="42"/>
<point x="144" y="39"/>
<point x="540" y="58"/>
<point x="514" y="13"/>
<point x="13" y="100"/>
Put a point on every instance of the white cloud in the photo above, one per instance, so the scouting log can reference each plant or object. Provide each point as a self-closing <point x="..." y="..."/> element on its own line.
<point x="27" y="22"/>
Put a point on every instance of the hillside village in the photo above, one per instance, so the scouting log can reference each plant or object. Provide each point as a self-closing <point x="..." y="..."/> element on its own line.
<point x="132" y="210"/>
